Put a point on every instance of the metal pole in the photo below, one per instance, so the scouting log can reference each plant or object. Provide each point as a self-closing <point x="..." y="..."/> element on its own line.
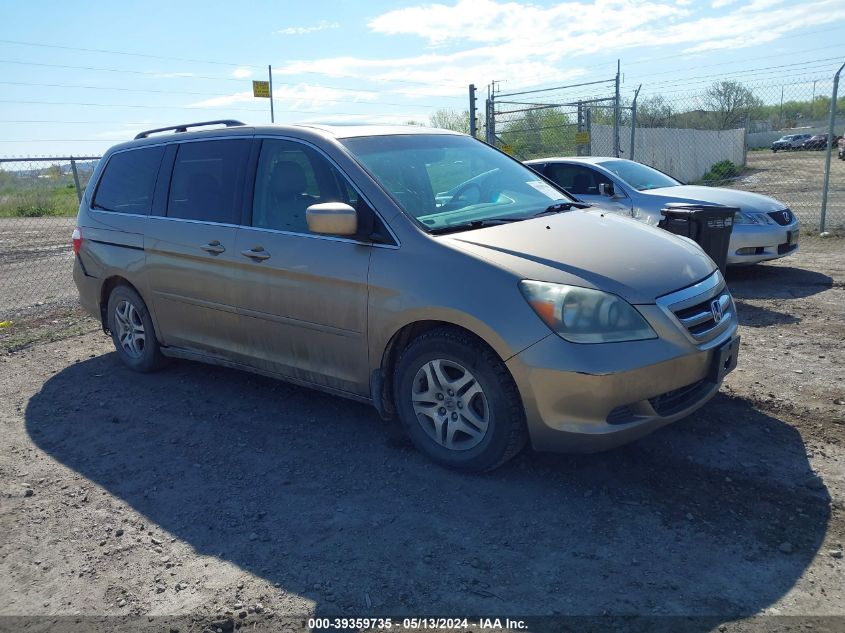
<point x="588" y="123"/>
<point x="76" y="179"/>
<point x="634" y="120"/>
<point x="829" y="146"/>
<point x="579" y="149"/>
<point x="270" y="73"/>
<point x="780" y="116"/>
<point x="813" y="102"/>
<point x="616" y="113"/>
<point x="472" y="122"/>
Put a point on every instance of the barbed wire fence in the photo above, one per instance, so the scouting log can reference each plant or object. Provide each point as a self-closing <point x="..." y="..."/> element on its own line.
<point x="39" y="198"/>
<point x="713" y="132"/>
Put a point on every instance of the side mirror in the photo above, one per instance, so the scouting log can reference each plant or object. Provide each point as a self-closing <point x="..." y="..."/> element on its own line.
<point x="332" y="218"/>
<point x="606" y="189"/>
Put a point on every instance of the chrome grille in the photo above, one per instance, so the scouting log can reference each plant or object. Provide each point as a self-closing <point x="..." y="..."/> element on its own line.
<point x="705" y="310"/>
<point x="783" y="217"/>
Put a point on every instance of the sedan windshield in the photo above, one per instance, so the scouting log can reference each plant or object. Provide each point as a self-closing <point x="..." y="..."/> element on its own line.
<point x="447" y="181"/>
<point x="640" y="177"/>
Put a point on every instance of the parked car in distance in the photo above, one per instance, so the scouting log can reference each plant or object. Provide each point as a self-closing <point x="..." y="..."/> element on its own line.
<point x="817" y="142"/>
<point x="790" y="142"/>
<point x="329" y="257"/>
<point x="841" y="145"/>
<point x="764" y="228"/>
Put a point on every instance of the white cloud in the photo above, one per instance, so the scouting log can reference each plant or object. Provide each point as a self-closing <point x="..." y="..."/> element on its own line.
<point x="242" y="73"/>
<point x="303" y="30"/>
<point x="300" y="96"/>
<point x="525" y="44"/>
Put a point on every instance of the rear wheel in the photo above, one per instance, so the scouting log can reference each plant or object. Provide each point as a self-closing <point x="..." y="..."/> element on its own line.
<point x="458" y="401"/>
<point x="132" y="330"/>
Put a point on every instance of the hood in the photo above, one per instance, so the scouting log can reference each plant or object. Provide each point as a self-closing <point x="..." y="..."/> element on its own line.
<point x="594" y="250"/>
<point x="745" y="200"/>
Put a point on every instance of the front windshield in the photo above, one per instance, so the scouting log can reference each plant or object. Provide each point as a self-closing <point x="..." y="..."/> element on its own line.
<point x="447" y="180"/>
<point x="640" y="177"/>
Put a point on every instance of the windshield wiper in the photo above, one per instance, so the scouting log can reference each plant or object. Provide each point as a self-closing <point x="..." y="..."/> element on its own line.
<point x="473" y="224"/>
<point x="557" y="207"/>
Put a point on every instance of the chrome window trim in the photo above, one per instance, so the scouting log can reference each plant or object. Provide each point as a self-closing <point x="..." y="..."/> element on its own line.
<point x="351" y="182"/>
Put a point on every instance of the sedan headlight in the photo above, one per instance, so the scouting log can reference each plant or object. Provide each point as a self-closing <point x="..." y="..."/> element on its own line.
<point x="583" y="315"/>
<point x="752" y="217"/>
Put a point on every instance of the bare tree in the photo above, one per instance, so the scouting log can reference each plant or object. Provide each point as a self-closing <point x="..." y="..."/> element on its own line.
<point x="653" y="112"/>
<point x="450" y="120"/>
<point x="730" y="102"/>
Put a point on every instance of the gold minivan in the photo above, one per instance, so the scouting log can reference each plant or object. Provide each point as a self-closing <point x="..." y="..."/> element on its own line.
<point x="419" y="270"/>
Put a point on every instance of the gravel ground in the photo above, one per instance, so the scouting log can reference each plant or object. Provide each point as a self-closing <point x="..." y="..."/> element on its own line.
<point x="796" y="179"/>
<point x="209" y="496"/>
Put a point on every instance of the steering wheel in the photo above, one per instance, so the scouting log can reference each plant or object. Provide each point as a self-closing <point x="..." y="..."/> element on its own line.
<point x="463" y="190"/>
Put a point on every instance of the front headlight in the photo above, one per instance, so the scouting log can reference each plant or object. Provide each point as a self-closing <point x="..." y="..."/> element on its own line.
<point x="752" y="217"/>
<point x="583" y="315"/>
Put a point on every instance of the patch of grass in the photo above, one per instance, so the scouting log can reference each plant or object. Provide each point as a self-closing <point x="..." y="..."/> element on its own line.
<point x="41" y="200"/>
<point x="722" y="170"/>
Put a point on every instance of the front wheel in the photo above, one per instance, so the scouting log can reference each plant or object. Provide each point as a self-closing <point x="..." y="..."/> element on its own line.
<point x="132" y="330"/>
<point x="458" y="401"/>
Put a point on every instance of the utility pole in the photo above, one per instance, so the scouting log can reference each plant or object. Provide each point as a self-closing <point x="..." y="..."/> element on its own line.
<point x="270" y="73"/>
<point x="473" y="121"/>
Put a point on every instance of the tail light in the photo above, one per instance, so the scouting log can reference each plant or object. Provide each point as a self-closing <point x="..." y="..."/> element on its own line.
<point x="77" y="240"/>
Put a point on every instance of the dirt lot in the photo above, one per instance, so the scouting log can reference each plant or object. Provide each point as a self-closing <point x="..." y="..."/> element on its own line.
<point x="796" y="178"/>
<point x="200" y="495"/>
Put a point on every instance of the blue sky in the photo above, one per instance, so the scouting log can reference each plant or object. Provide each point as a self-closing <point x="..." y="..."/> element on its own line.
<point x="151" y="63"/>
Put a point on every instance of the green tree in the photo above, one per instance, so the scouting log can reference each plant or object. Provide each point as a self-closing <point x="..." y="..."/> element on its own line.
<point x="653" y="112"/>
<point x="450" y="120"/>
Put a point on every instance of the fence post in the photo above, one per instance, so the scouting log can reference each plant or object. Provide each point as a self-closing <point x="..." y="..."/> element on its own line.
<point x="588" y="123"/>
<point x="616" y="113"/>
<point x="634" y="120"/>
<point x="76" y="179"/>
<point x="829" y="148"/>
<point x="473" y="131"/>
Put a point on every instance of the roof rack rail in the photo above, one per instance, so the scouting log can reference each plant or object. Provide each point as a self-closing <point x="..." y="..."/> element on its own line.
<point x="184" y="128"/>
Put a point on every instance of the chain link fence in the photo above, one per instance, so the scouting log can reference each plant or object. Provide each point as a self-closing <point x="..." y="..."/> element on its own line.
<point x="39" y="198"/>
<point x="769" y="137"/>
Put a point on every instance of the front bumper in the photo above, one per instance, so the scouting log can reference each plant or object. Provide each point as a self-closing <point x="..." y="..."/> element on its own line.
<point x="588" y="398"/>
<point x="752" y="243"/>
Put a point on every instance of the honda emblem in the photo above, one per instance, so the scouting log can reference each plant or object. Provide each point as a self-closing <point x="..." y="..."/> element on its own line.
<point x="716" y="309"/>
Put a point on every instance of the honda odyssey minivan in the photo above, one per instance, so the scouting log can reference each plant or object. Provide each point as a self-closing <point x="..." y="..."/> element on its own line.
<point x="418" y="270"/>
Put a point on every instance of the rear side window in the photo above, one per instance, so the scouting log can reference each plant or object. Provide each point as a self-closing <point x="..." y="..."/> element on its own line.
<point x="207" y="181"/>
<point x="129" y="180"/>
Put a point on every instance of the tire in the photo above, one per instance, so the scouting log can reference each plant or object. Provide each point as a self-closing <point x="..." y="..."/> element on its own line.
<point x="132" y="330"/>
<point x="479" y="396"/>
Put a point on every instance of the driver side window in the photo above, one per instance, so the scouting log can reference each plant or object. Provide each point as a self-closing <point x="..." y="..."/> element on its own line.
<point x="576" y="179"/>
<point x="289" y="179"/>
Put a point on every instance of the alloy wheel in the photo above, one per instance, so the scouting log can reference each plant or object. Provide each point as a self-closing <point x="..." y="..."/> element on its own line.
<point x="450" y="404"/>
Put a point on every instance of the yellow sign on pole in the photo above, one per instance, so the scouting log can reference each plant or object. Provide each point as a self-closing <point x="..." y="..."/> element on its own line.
<point x="582" y="138"/>
<point x="261" y="89"/>
<point x="507" y="149"/>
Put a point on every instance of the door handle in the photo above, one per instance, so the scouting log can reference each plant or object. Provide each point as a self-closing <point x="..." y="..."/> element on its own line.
<point x="257" y="253"/>
<point x="215" y="247"/>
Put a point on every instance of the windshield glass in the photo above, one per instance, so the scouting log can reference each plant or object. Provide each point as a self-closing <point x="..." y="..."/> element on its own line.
<point x="640" y="177"/>
<point x="443" y="180"/>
